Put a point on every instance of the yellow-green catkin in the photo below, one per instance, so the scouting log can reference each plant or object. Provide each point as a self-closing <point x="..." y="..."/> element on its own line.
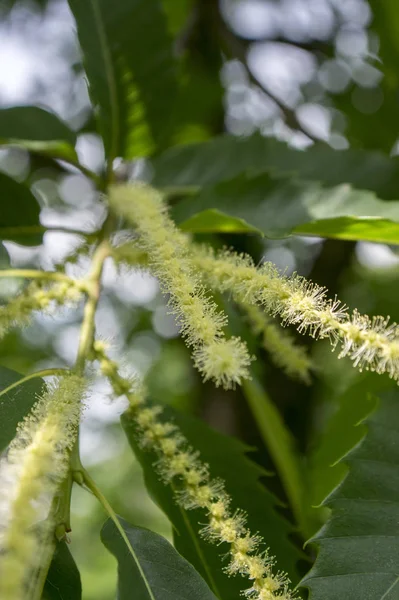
<point x="279" y="343"/>
<point x="225" y="361"/>
<point x="247" y="554"/>
<point x="371" y="343"/>
<point x="37" y="296"/>
<point x="30" y="475"/>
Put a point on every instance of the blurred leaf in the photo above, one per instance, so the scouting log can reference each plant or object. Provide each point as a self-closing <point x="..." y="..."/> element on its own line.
<point x="226" y="157"/>
<point x="358" y="546"/>
<point x="177" y="13"/>
<point x="15" y="404"/>
<point x="63" y="578"/>
<point x="19" y="210"/>
<point x="199" y="108"/>
<point x="280" y="207"/>
<point x="372" y="229"/>
<point x="227" y="460"/>
<point x="150" y="568"/>
<point x="54" y="150"/>
<point x="128" y="58"/>
<point x="34" y="124"/>
<point x="213" y="220"/>
<point x="4" y="257"/>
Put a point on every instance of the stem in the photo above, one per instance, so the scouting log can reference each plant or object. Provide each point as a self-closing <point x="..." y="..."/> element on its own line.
<point x="44" y="373"/>
<point x="94" y="288"/>
<point x="35" y="274"/>
<point x="91" y="485"/>
<point x="76" y="470"/>
<point x="62" y="515"/>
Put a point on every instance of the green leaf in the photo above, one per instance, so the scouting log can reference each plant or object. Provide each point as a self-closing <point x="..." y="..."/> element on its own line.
<point x="358" y="547"/>
<point x="371" y="229"/>
<point x="213" y="220"/>
<point x="55" y="150"/>
<point x="19" y="212"/>
<point x="34" y="124"/>
<point x="63" y="578"/>
<point x="281" y="207"/>
<point x="37" y="130"/>
<point x="4" y="257"/>
<point x="227" y="460"/>
<point x="341" y="433"/>
<point x="16" y="403"/>
<point x="226" y="157"/>
<point x="149" y="568"/>
<point x="129" y="63"/>
<point x="280" y="444"/>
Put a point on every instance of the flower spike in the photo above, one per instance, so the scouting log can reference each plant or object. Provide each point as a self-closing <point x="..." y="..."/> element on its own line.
<point x="180" y="464"/>
<point x="223" y="361"/>
<point x="30" y="475"/>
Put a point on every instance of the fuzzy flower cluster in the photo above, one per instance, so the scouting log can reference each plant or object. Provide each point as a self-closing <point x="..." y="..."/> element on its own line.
<point x="371" y="343"/>
<point x="225" y="361"/>
<point x="177" y="462"/>
<point x="30" y="474"/>
<point x="37" y="296"/>
<point x="284" y="352"/>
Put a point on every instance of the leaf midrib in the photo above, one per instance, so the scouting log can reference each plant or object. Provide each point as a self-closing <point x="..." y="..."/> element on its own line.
<point x="110" y="75"/>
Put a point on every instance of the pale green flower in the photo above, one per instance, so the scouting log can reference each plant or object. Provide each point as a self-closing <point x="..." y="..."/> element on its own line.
<point x="30" y="475"/>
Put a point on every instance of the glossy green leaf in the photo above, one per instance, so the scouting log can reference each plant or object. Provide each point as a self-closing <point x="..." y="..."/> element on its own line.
<point x="279" y="207"/>
<point x="19" y="212"/>
<point x="127" y="53"/>
<point x="213" y="220"/>
<point x="34" y="124"/>
<point x="16" y="403"/>
<point x="228" y="461"/>
<point x="371" y="229"/>
<point x="149" y="568"/>
<point x="358" y="554"/>
<point x="63" y="578"/>
<point x="227" y="157"/>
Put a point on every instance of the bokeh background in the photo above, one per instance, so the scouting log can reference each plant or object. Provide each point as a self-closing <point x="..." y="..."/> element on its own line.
<point x="298" y="70"/>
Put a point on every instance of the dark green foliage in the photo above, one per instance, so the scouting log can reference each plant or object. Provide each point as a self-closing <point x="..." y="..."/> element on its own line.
<point x="307" y="209"/>
<point x="16" y="403"/>
<point x="34" y="124"/>
<point x="150" y="567"/>
<point x="63" y="579"/>
<point x="19" y="213"/>
<point x="226" y="157"/>
<point x="358" y="546"/>
<point x="127" y="53"/>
